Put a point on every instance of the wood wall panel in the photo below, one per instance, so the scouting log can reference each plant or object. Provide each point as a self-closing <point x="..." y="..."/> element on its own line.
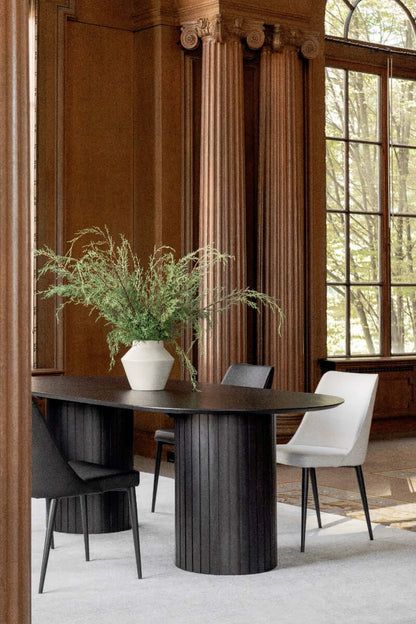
<point x="51" y="26"/>
<point x="98" y="141"/>
<point x="396" y="394"/>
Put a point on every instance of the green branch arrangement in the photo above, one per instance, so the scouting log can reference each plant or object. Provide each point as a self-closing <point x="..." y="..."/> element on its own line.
<point x="153" y="303"/>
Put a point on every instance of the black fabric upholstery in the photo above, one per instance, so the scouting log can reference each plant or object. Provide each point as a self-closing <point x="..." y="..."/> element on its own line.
<point x="53" y="477"/>
<point x="166" y="436"/>
<point x="101" y="479"/>
<point x="249" y="376"/>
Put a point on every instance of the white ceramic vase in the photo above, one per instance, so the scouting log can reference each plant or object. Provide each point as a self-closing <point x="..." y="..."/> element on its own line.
<point x="147" y="365"/>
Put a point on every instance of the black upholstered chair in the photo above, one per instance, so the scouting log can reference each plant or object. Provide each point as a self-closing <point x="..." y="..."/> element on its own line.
<point x="245" y="375"/>
<point x="53" y="478"/>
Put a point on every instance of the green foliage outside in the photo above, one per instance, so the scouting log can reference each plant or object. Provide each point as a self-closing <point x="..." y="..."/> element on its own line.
<point x="156" y="302"/>
<point x="362" y="274"/>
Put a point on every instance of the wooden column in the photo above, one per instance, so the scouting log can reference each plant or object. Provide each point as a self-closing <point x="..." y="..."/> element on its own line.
<point x="14" y="315"/>
<point x="222" y="218"/>
<point x="282" y="236"/>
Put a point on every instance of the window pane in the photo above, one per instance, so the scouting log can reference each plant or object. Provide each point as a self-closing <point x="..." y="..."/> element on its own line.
<point x="364" y="177"/>
<point x="403" y="242"/>
<point x="335" y="16"/>
<point x="403" y="180"/>
<point x="364" y="248"/>
<point x="363" y="90"/>
<point x="365" y="320"/>
<point x="336" y="239"/>
<point x="336" y="319"/>
<point x="403" y="316"/>
<point x="335" y="175"/>
<point x="382" y="21"/>
<point x="334" y="102"/>
<point x="403" y="111"/>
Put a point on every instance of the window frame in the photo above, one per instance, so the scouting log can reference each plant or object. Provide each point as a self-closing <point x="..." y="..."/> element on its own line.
<point x="370" y="58"/>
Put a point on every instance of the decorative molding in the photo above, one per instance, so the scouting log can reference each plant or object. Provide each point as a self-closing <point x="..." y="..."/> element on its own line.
<point x="281" y="36"/>
<point x="150" y="16"/>
<point x="266" y="12"/>
<point x="255" y="34"/>
<point x="222" y="29"/>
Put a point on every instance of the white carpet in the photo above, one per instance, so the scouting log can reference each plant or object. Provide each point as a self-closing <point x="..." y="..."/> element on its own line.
<point x="342" y="577"/>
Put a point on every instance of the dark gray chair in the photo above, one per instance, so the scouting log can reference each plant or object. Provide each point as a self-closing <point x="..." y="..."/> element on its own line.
<point x="245" y="375"/>
<point x="53" y="478"/>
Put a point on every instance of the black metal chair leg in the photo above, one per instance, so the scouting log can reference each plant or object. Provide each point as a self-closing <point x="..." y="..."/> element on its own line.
<point x="84" y="518"/>
<point x="360" y="479"/>
<point x="48" y="506"/>
<point x="135" y="528"/>
<point x="315" y="495"/>
<point x="47" y="545"/>
<point x="157" y="470"/>
<point x="305" y="479"/>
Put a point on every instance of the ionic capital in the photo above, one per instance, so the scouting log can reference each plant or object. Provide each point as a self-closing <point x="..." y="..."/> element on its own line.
<point x="307" y="42"/>
<point x="222" y="30"/>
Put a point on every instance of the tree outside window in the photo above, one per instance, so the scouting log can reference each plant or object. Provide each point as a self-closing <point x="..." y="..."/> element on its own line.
<point x="371" y="182"/>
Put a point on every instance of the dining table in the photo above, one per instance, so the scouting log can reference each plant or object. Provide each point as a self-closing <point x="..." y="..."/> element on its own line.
<point x="225" y="460"/>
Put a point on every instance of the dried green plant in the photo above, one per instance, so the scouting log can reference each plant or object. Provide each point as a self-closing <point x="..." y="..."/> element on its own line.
<point x="153" y="303"/>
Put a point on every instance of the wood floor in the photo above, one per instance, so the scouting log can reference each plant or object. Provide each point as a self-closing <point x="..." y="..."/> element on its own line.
<point x="390" y="476"/>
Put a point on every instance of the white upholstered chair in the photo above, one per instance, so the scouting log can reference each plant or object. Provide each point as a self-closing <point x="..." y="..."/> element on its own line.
<point x="334" y="437"/>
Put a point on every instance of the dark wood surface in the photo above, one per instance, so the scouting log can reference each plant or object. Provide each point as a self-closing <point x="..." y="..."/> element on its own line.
<point x="178" y="396"/>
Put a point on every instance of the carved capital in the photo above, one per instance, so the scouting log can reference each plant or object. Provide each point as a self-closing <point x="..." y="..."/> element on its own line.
<point x="307" y="42"/>
<point x="222" y="30"/>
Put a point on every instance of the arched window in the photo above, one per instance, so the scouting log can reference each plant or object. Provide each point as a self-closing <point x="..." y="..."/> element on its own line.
<point x="386" y="22"/>
<point x="371" y="177"/>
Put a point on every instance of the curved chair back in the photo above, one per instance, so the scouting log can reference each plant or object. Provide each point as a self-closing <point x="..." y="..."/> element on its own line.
<point x="52" y="476"/>
<point x="346" y="426"/>
<point x="249" y="376"/>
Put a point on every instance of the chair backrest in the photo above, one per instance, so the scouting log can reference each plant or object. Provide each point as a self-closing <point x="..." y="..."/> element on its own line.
<point x="346" y="426"/>
<point x="52" y="477"/>
<point x="249" y="376"/>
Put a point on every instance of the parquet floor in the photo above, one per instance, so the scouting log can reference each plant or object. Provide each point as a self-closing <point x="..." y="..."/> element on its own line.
<point x="390" y="477"/>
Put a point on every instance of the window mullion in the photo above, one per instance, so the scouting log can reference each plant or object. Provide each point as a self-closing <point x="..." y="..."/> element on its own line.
<point x="385" y="311"/>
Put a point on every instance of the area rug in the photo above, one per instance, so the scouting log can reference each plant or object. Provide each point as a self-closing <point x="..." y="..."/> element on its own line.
<point x="386" y="511"/>
<point x="342" y="577"/>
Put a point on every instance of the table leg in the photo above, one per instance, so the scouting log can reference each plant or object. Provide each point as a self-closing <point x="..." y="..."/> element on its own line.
<point x="101" y="435"/>
<point x="225" y="493"/>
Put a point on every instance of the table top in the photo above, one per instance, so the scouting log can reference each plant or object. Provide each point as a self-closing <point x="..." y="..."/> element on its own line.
<point x="178" y="397"/>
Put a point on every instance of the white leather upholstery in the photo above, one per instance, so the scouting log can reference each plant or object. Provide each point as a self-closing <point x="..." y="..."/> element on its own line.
<point x="338" y="436"/>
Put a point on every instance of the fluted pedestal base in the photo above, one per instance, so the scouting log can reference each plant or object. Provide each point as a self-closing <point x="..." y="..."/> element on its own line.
<point x="225" y="493"/>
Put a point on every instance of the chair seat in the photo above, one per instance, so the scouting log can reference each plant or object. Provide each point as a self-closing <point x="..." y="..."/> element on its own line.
<point x="306" y="456"/>
<point x="166" y="436"/>
<point x="102" y="478"/>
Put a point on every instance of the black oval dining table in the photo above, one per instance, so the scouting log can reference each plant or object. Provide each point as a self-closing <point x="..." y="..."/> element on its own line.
<point x="225" y="461"/>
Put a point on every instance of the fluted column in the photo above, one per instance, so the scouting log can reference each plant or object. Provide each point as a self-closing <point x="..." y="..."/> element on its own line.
<point x="222" y="178"/>
<point x="282" y="237"/>
<point x="15" y="289"/>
